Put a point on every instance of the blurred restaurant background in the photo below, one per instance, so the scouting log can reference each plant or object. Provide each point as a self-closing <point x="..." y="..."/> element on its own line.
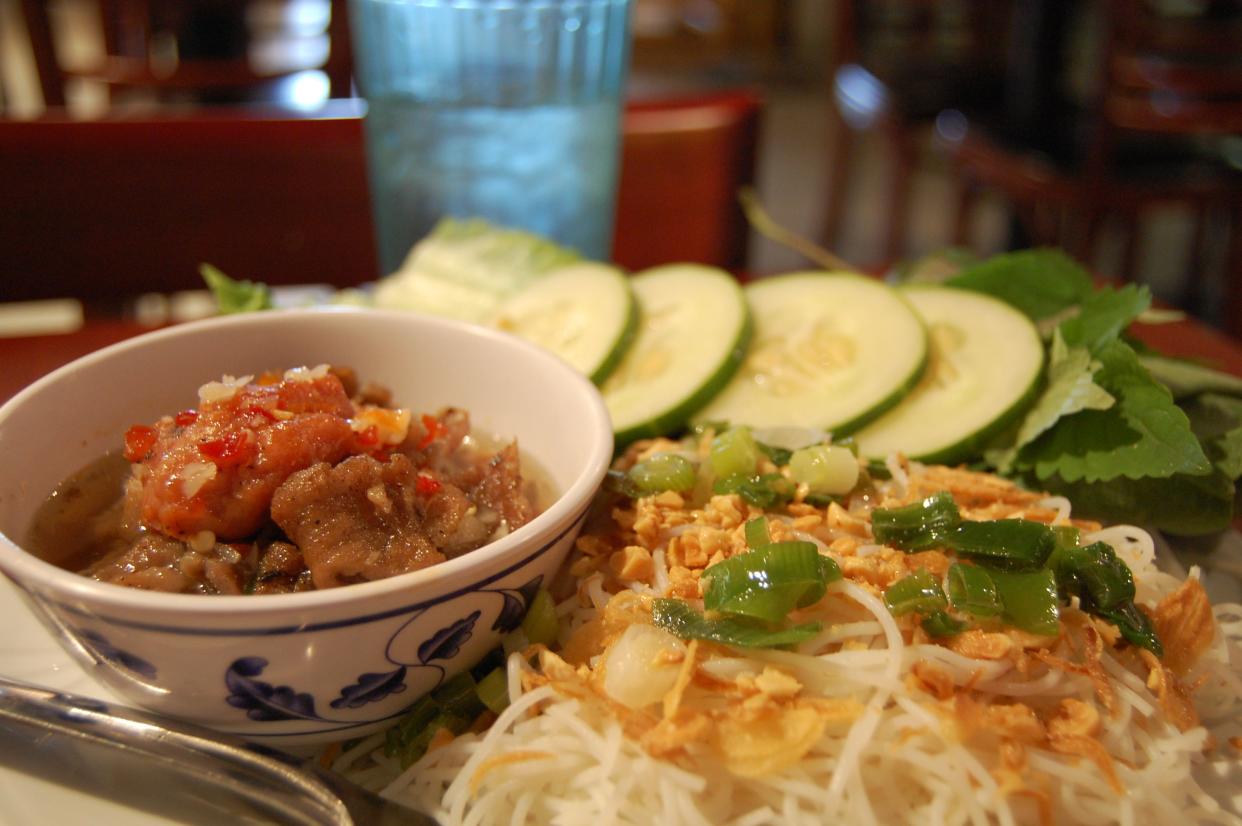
<point x="888" y="131"/>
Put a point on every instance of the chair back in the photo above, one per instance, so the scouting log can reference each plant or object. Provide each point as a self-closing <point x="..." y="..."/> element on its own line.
<point x="683" y="162"/>
<point x="1174" y="75"/>
<point x="102" y="209"/>
<point x="196" y="50"/>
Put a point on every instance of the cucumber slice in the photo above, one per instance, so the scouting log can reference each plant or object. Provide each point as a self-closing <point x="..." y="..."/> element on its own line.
<point x="831" y="351"/>
<point x="986" y="363"/>
<point x="585" y="313"/>
<point x="693" y="331"/>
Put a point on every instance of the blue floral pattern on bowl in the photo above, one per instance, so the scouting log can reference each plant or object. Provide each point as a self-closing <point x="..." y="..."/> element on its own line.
<point x="263" y="701"/>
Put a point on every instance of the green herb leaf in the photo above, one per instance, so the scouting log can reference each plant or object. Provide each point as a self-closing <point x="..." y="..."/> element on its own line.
<point x="1041" y="283"/>
<point x="235" y="296"/>
<point x="1070" y="389"/>
<point x="1181" y="505"/>
<point x="1217" y="421"/>
<point x="682" y="621"/>
<point x="1143" y="435"/>
<point x="1103" y="315"/>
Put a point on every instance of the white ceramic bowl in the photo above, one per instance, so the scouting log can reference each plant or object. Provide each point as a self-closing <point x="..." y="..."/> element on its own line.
<point x="318" y="665"/>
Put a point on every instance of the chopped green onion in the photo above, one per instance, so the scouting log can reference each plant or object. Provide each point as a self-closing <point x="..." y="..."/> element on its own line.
<point x="878" y="470"/>
<point x="822" y="500"/>
<point x="1104" y="586"/>
<point x="1009" y="544"/>
<point x="768" y="582"/>
<point x="918" y="592"/>
<point x="540" y="624"/>
<point x="714" y="425"/>
<point x="1134" y="626"/>
<point x="757" y="533"/>
<point x="734" y="452"/>
<point x="494" y="690"/>
<point x="661" y="472"/>
<point x="1067" y="536"/>
<point x="618" y="482"/>
<point x="459" y="696"/>
<point x="491" y="661"/>
<point x="972" y="590"/>
<point x="683" y="621"/>
<point x="918" y="526"/>
<point x="1094" y="574"/>
<point x="1029" y="600"/>
<point x="397" y="738"/>
<point x="417" y="745"/>
<point x="778" y="455"/>
<point x="824" y="469"/>
<point x="765" y="491"/>
<point x="942" y="624"/>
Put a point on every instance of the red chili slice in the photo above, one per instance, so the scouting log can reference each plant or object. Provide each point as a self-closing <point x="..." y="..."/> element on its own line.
<point x="258" y="410"/>
<point x="368" y="437"/>
<point x="434" y="430"/>
<point x="426" y="485"/>
<point x="139" y="440"/>
<point x="186" y="418"/>
<point x="232" y="449"/>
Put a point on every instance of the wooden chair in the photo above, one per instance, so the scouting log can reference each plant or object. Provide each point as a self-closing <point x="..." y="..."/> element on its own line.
<point x="1168" y="87"/>
<point x="105" y="209"/>
<point x="683" y="162"/>
<point x="896" y="64"/>
<point x="185" y="50"/>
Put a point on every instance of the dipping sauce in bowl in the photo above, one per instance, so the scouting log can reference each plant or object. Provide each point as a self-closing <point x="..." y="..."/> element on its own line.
<point x="284" y="482"/>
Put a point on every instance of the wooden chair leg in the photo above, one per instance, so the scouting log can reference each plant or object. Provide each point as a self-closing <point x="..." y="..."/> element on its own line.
<point x="904" y="162"/>
<point x="965" y="197"/>
<point x="1129" y="244"/>
<point x="840" y="156"/>
<point x="1232" y="299"/>
<point x="1191" y="292"/>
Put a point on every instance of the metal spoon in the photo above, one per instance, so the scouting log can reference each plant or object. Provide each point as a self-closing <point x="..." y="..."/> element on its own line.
<point x="67" y="734"/>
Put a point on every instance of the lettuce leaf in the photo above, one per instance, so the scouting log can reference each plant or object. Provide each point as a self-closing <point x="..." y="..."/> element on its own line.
<point x="465" y="269"/>
<point x="235" y="296"/>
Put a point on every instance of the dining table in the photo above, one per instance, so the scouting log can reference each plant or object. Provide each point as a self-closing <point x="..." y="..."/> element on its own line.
<point x="25" y="358"/>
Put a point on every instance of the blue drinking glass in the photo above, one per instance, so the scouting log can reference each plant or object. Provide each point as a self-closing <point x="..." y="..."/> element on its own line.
<point x="508" y="110"/>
